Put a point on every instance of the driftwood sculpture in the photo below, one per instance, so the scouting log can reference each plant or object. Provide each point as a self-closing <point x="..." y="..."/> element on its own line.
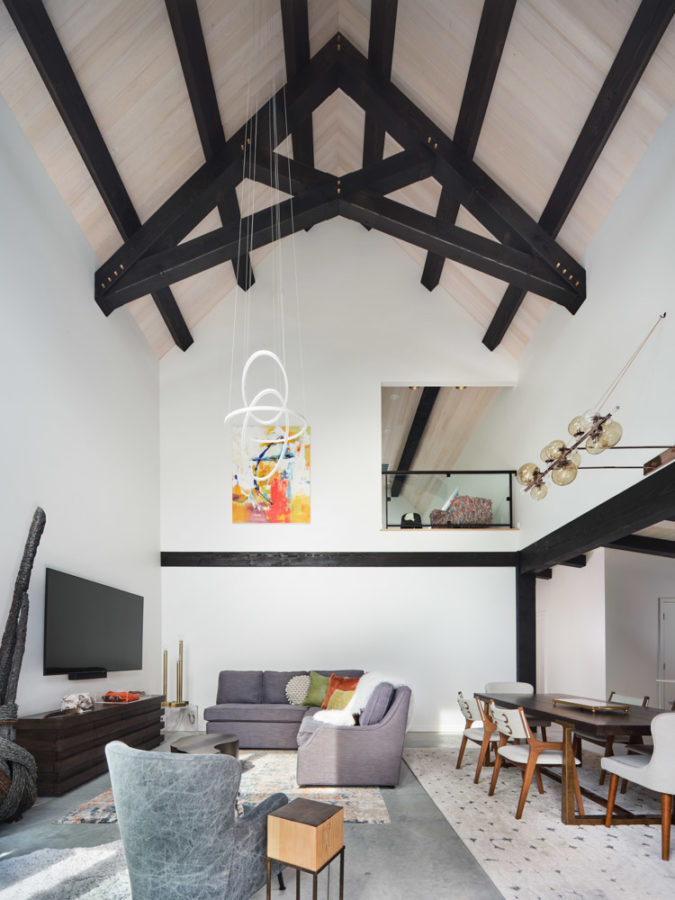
<point x="18" y="771"/>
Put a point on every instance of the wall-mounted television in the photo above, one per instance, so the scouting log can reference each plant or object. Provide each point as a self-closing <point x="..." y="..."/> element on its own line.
<point x="90" y="629"/>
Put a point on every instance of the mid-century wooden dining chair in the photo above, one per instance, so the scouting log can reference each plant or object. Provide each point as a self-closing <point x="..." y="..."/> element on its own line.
<point x="519" y="687"/>
<point x="609" y="741"/>
<point x="655" y="772"/>
<point x="512" y="724"/>
<point x="479" y="729"/>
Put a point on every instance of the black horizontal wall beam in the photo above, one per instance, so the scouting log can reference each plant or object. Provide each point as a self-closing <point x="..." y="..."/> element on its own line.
<point x="205" y="559"/>
<point x="637" y="543"/>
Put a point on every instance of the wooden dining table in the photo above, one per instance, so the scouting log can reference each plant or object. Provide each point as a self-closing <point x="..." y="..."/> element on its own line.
<point x="634" y="723"/>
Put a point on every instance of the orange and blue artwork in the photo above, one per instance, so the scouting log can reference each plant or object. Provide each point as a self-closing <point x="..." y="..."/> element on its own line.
<point x="271" y="476"/>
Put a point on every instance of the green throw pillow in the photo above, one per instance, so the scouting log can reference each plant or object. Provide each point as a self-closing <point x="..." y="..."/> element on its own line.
<point x="339" y="699"/>
<point x="318" y="685"/>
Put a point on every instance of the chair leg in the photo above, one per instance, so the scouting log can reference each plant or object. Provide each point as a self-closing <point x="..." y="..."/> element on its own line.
<point x="495" y="774"/>
<point x="462" y="747"/>
<point x="482" y="756"/>
<point x="527" y="780"/>
<point x="543" y="733"/>
<point x="624" y="785"/>
<point x="576" y="747"/>
<point x="539" y="784"/>
<point x="282" y="886"/>
<point x="611" y="798"/>
<point x="609" y="744"/>
<point x="666" y="812"/>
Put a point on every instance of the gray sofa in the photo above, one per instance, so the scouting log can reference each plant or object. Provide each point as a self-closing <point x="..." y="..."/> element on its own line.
<point x="252" y="705"/>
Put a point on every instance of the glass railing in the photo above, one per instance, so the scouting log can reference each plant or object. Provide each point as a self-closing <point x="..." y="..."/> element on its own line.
<point x="457" y="499"/>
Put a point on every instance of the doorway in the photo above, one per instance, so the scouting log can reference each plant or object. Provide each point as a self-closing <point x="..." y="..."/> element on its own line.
<point x="666" y="665"/>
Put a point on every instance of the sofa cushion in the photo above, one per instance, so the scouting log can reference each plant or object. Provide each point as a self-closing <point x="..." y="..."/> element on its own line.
<point x="318" y="685"/>
<point x="254" y="712"/>
<point x="235" y="686"/>
<point x="378" y="704"/>
<point x="274" y="685"/>
<point x="338" y="683"/>
<point x="343" y="673"/>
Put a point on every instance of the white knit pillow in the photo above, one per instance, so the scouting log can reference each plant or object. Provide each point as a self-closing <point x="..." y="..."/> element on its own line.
<point x="296" y="689"/>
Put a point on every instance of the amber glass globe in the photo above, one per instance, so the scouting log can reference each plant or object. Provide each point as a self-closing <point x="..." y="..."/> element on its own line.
<point x="576" y="427"/>
<point x="539" y="491"/>
<point x="552" y="451"/>
<point x="527" y="473"/>
<point x="575" y="457"/>
<point x="565" y="474"/>
<point x="611" y="433"/>
<point x="596" y="444"/>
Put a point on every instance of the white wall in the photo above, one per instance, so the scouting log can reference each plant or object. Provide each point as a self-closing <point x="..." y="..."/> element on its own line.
<point x="571" y="629"/>
<point x="80" y="422"/>
<point x="634" y="584"/>
<point x="572" y="359"/>
<point x="366" y="321"/>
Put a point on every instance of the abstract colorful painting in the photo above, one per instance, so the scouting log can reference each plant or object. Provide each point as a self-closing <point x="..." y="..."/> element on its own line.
<point x="259" y="493"/>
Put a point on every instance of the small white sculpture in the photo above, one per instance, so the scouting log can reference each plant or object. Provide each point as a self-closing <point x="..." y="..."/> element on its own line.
<point x="80" y="702"/>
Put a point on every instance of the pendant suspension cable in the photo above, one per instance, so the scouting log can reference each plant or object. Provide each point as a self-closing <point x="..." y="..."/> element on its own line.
<point x="613" y="386"/>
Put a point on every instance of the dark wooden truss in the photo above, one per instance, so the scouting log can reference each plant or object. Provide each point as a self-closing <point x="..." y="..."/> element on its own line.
<point x="524" y="253"/>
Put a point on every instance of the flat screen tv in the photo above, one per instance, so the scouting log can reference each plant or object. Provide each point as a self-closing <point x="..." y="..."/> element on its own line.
<point x="90" y="629"/>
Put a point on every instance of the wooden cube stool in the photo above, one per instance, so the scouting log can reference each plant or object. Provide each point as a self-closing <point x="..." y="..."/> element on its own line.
<point x="307" y="835"/>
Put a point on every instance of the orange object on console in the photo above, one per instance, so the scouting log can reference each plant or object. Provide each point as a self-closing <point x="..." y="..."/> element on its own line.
<point x="120" y="697"/>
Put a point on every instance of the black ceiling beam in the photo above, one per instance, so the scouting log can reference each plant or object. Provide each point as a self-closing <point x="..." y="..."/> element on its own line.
<point x="482" y="196"/>
<point x="637" y="543"/>
<point x="546" y="574"/>
<point x="295" y="26"/>
<point x="201" y="192"/>
<point x="380" y="55"/>
<point x="642" y="38"/>
<point x="487" y="53"/>
<point x="419" y="423"/>
<point x="194" y="256"/>
<point x="223" y="244"/>
<point x="189" y="40"/>
<point x="454" y="243"/>
<point x="650" y="500"/>
<point x="38" y="34"/>
<point x="576" y="562"/>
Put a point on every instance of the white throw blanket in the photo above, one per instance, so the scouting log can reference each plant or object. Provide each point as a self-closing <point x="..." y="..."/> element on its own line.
<point x="364" y="689"/>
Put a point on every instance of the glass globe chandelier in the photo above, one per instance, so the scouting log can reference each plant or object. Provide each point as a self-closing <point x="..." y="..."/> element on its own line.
<point x="591" y="431"/>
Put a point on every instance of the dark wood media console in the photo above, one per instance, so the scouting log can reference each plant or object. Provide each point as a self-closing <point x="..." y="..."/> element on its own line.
<point x="69" y="747"/>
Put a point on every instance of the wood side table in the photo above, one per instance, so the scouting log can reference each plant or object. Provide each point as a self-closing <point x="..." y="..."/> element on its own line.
<point x="306" y="835"/>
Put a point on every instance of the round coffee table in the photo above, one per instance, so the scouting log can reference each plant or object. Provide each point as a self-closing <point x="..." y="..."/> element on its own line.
<point x="207" y="743"/>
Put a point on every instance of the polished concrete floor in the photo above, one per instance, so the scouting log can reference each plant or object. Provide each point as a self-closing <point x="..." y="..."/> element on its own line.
<point x="418" y="855"/>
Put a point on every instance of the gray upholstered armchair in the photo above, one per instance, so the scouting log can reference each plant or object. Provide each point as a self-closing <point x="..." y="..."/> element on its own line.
<point x="182" y="839"/>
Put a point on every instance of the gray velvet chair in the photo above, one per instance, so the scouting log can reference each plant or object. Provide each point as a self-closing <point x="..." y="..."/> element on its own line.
<point x="182" y="839"/>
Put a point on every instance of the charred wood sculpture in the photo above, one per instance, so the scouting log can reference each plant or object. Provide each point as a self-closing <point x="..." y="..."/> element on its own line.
<point x="18" y="771"/>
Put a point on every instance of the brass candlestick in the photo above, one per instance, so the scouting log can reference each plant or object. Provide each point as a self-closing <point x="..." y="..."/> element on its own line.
<point x="179" y="679"/>
<point x="165" y="659"/>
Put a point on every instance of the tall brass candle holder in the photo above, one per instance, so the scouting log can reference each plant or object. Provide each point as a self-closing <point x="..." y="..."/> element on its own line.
<point x="179" y="679"/>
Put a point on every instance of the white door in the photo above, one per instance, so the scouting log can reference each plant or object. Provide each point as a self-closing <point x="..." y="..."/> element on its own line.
<point x="666" y="652"/>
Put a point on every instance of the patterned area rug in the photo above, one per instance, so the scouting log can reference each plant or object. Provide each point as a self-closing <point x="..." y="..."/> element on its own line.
<point x="264" y="773"/>
<point x="538" y="856"/>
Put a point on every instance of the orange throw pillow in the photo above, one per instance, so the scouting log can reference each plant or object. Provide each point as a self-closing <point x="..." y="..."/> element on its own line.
<point x="337" y="683"/>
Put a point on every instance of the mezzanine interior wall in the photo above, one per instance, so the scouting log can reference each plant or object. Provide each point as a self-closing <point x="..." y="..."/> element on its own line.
<point x="80" y="422"/>
<point x="366" y="321"/>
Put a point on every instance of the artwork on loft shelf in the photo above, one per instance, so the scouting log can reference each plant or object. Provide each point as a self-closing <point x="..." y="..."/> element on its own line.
<point x="271" y="477"/>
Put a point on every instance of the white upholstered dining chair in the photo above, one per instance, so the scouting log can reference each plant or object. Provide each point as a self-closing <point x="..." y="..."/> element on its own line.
<point x="512" y="725"/>
<point x="519" y="687"/>
<point x="656" y="772"/>
<point x="478" y="729"/>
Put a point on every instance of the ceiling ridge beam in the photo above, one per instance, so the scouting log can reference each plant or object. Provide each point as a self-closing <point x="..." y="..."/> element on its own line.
<point x="642" y="38"/>
<point x="380" y="55"/>
<point x="487" y="53"/>
<point x="479" y="193"/>
<point x="189" y="39"/>
<point x="295" y="26"/>
<point x="223" y="244"/>
<point x="638" y="543"/>
<point x="197" y="196"/>
<point x="642" y="504"/>
<point x="459" y="244"/>
<point x="419" y="423"/>
<point x="42" y="42"/>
